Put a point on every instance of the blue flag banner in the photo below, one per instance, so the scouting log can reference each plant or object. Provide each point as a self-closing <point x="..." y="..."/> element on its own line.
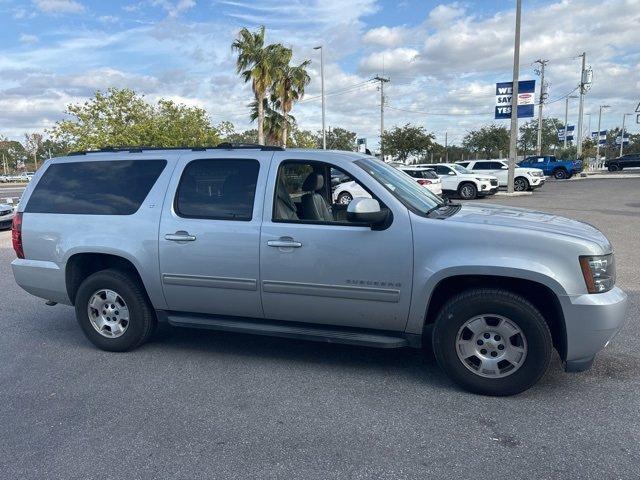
<point x="626" y="139"/>
<point x="570" y="131"/>
<point x="526" y="99"/>
<point x="601" y="137"/>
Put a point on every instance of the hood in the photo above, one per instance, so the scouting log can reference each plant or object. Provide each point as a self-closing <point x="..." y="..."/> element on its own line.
<point x="521" y="218"/>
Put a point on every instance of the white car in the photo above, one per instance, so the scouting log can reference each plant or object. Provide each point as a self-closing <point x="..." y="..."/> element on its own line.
<point x="347" y="191"/>
<point x="427" y="177"/>
<point x="7" y="212"/>
<point x="457" y="180"/>
<point x="524" y="179"/>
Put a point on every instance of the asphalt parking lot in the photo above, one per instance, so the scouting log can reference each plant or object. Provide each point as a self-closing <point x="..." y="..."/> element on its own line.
<point x="199" y="404"/>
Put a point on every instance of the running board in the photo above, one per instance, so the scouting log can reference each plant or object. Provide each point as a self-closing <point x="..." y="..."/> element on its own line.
<point x="294" y="330"/>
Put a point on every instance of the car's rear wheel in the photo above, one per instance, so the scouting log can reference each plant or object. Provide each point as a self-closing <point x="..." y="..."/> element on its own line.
<point x="521" y="184"/>
<point x="467" y="191"/>
<point x="492" y="342"/>
<point x="345" y="198"/>
<point x="560" y="174"/>
<point x="113" y="311"/>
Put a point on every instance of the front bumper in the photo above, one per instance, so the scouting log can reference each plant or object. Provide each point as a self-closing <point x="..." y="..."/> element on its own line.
<point x="591" y="322"/>
<point x="536" y="182"/>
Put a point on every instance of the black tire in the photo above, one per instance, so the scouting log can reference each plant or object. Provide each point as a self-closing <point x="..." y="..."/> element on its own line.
<point x="520" y="311"/>
<point x="142" y="319"/>
<point x="345" y="198"/>
<point x="560" y="174"/>
<point x="521" y="184"/>
<point x="467" y="191"/>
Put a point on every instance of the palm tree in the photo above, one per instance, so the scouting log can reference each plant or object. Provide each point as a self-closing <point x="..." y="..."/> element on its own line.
<point x="256" y="63"/>
<point x="273" y="119"/>
<point x="288" y="87"/>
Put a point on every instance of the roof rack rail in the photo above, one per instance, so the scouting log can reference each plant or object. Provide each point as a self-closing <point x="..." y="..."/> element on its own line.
<point x="223" y="146"/>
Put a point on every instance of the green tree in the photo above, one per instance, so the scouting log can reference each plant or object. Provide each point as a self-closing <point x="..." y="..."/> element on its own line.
<point x="303" y="139"/>
<point x="123" y="118"/>
<point x="338" y="139"/>
<point x="528" y="140"/>
<point x="177" y="125"/>
<point x="256" y="63"/>
<point x="288" y="86"/>
<point x="488" y="140"/>
<point x="408" y="140"/>
<point x="13" y="154"/>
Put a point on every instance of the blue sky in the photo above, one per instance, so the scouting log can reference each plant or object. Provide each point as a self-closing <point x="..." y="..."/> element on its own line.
<point x="443" y="58"/>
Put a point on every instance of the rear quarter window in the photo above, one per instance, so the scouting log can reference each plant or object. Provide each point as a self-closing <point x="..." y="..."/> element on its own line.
<point x="113" y="187"/>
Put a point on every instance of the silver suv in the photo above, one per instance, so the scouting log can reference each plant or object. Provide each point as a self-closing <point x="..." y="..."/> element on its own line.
<point x="249" y="239"/>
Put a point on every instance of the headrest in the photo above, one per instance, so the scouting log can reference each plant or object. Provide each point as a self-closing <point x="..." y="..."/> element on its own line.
<point x="313" y="182"/>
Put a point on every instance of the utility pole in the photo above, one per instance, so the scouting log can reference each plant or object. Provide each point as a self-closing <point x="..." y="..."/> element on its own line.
<point x="4" y="164"/>
<point x="324" y="136"/>
<point x="583" y="90"/>
<point x="513" y="140"/>
<point x="382" y="81"/>
<point x="624" y="116"/>
<point x="566" y="119"/>
<point x="598" y="135"/>
<point x="446" y="147"/>
<point x="543" y="96"/>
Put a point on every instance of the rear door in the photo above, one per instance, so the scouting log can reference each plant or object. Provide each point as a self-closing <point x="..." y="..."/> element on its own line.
<point x="210" y="232"/>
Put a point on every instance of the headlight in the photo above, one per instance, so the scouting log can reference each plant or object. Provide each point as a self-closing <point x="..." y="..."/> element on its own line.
<point x="483" y="179"/>
<point x="535" y="174"/>
<point x="599" y="272"/>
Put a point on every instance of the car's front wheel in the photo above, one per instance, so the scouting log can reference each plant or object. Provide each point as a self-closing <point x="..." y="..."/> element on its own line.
<point x="113" y="311"/>
<point x="521" y="184"/>
<point x="468" y="191"/>
<point x="492" y="342"/>
<point x="345" y="198"/>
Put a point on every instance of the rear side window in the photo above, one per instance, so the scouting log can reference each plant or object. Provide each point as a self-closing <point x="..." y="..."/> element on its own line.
<point x="218" y="189"/>
<point x="115" y="187"/>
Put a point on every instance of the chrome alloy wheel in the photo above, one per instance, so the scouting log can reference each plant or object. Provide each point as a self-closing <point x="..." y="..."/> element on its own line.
<point x="467" y="192"/>
<point x="491" y="346"/>
<point x="520" y="185"/>
<point x="108" y="313"/>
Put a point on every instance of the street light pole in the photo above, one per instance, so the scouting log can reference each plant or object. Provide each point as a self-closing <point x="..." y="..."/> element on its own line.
<point x="598" y="135"/>
<point x="324" y="136"/>
<point x="566" y="119"/>
<point x="513" y="139"/>
<point x="624" y="116"/>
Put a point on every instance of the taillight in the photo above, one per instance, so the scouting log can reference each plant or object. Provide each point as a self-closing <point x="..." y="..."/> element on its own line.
<point x="16" y="234"/>
<point x="424" y="182"/>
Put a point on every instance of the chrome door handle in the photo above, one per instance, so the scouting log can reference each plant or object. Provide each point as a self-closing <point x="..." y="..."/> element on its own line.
<point x="180" y="236"/>
<point x="284" y="243"/>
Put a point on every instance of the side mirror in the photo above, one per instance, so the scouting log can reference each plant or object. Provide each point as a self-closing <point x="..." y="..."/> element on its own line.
<point x="504" y="167"/>
<point x="451" y="173"/>
<point x="367" y="211"/>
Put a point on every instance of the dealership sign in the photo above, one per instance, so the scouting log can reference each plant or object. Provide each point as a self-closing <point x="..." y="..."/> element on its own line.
<point x="570" y="130"/>
<point x="526" y="99"/>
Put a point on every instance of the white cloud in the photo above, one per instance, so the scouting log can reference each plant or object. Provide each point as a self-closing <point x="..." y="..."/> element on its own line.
<point x="59" y="6"/>
<point x="385" y="36"/>
<point x="108" y="18"/>
<point x="174" y="8"/>
<point x="28" y="39"/>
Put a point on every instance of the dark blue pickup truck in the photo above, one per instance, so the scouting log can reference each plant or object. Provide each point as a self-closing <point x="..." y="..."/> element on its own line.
<point x="551" y="165"/>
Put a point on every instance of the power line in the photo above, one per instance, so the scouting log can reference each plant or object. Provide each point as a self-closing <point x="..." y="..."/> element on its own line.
<point x="444" y="114"/>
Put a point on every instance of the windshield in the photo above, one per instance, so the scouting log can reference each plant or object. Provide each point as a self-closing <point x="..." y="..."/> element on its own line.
<point x="403" y="187"/>
<point x="460" y="169"/>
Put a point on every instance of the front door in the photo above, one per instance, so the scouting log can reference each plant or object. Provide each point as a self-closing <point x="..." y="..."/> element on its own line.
<point x="316" y="266"/>
<point x="210" y="232"/>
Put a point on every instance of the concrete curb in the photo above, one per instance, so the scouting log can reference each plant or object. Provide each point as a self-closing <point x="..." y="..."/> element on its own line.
<point x="606" y="176"/>
<point x="514" y="194"/>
